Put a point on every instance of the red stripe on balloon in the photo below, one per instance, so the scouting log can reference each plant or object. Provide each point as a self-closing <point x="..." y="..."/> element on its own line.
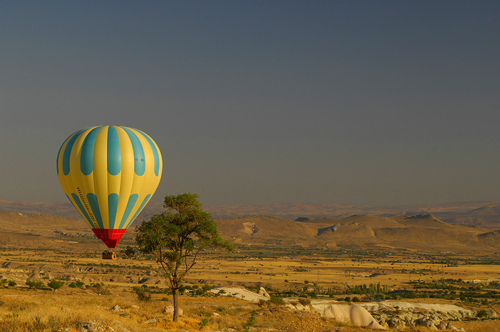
<point x="110" y="237"/>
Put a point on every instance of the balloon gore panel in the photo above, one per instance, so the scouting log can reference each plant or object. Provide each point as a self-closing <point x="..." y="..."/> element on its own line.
<point x="109" y="173"/>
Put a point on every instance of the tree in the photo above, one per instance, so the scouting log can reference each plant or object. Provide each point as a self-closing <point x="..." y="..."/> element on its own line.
<point x="129" y="252"/>
<point x="176" y="237"/>
<point x="55" y="284"/>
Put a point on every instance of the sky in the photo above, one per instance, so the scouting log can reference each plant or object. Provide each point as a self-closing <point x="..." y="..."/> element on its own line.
<point x="256" y="102"/>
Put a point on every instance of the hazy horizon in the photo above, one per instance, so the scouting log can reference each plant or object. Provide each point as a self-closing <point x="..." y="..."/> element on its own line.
<point x="363" y="103"/>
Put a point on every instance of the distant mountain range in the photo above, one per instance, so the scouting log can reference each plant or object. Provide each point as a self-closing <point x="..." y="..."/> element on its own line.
<point x="484" y="214"/>
<point x="422" y="233"/>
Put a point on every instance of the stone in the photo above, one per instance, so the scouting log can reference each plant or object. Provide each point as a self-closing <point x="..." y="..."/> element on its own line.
<point x="442" y="326"/>
<point x="170" y="310"/>
<point x="115" y="308"/>
<point x="263" y="292"/>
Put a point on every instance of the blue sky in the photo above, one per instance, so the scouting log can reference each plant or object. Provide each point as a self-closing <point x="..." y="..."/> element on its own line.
<point x="251" y="102"/>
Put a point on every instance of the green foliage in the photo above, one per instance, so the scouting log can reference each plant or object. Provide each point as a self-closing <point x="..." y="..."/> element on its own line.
<point x="35" y="284"/>
<point x="251" y="321"/>
<point x="12" y="283"/>
<point x="98" y="288"/>
<point x="176" y="237"/>
<point x="203" y="323"/>
<point x="3" y="282"/>
<point x="481" y="314"/>
<point x="55" y="284"/>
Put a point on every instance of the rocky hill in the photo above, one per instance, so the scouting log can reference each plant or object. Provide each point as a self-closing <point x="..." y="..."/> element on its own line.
<point x="485" y="214"/>
<point x="416" y="233"/>
<point x="420" y="232"/>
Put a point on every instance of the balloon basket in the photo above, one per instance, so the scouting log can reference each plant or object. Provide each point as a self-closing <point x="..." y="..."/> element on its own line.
<point x="108" y="255"/>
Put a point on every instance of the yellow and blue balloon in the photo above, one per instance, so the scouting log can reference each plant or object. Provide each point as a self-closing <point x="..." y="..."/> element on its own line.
<point x="109" y="173"/>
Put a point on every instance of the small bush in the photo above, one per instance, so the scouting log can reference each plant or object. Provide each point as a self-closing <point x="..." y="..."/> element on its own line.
<point x="305" y="302"/>
<point x="251" y="321"/>
<point x="203" y="323"/>
<point x="54" y="284"/>
<point x="142" y="294"/>
<point x="129" y="252"/>
<point x="99" y="289"/>
<point x="277" y="300"/>
<point x="35" y="284"/>
<point x="76" y="284"/>
<point x="481" y="314"/>
<point x="12" y="283"/>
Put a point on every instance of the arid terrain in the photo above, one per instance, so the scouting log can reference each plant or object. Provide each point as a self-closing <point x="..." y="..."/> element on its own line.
<point x="479" y="213"/>
<point x="406" y="258"/>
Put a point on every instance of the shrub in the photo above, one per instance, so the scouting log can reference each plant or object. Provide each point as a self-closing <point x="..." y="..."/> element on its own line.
<point x="142" y="294"/>
<point x="76" y="284"/>
<point x="277" y="300"/>
<point x="35" y="284"/>
<point x="203" y="323"/>
<point x="12" y="283"/>
<point x="54" y="284"/>
<point x="305" y="302"/>
<point x="99" y="289"/>
<point x="251" y="321"/>
<point x="481" y="314"/>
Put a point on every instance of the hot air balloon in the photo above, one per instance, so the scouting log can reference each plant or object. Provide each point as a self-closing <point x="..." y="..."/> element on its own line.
<point x="334" y="228"/>
<point x="109" y="174"/>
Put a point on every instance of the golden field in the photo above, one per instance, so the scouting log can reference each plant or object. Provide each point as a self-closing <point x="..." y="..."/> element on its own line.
<point x="303" y="258"/>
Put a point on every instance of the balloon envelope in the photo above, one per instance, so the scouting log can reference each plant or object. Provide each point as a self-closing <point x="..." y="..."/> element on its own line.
<point x="109" y="174"/>
<point x="334" y="228"/>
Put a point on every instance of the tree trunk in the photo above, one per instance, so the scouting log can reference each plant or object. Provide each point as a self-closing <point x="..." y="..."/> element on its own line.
<point x="175" y="293"/>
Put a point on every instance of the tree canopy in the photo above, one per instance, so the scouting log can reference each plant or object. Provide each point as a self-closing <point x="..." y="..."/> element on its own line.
<point x="176" y="237"/>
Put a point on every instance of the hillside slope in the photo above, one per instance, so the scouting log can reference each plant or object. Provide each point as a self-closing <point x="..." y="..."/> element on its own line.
<point x="421" y="233"/>
<point x="417" y="233"/>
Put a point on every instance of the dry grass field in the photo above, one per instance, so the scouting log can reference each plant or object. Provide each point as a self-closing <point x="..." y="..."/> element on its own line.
<point x="73" y="309"/>
<point x="415" y="259"/>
